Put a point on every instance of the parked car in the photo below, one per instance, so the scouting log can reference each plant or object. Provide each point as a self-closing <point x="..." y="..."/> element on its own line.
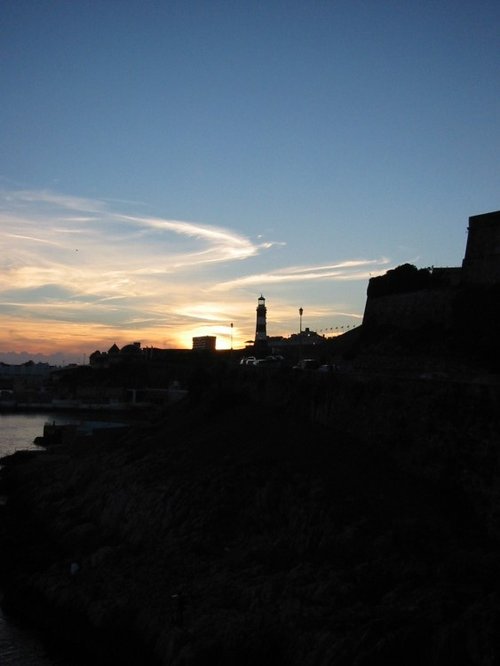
<point x="269" y="360"/>
<point x="248" y="360"/>
<point x="327" y="367"/>
<point x="307" y="364"/>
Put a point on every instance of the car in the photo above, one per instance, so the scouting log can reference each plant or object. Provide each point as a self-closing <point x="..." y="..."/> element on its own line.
<point x="248" y="360"/>
<point x="269" y="360"/>
<point x="307" y="364"/>
<point x="327" y="367"/>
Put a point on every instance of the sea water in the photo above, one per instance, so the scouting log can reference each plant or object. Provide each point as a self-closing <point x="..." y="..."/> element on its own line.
<point x="18" y="645"/>
<point x="18" y="430"/>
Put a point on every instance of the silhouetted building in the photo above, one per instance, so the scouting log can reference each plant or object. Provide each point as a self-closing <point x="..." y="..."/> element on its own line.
<point x="28" y="369"/>
<point x="116" y="356"/>
<point x="306" y="342"/>
<point x="204" y="343"/>
<point x="131" y="350"/>
<point x="481" y="264"/>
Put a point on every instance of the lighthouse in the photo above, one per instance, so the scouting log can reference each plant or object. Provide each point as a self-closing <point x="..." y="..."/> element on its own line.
<point x="260" y="329"/>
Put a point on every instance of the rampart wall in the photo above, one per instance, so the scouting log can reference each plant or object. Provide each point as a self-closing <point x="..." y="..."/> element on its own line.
<point x="481" y="264"/>
<point x="410" y="310"/>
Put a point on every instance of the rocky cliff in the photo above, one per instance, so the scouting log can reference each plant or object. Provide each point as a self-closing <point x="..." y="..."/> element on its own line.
<point x="298" y="521"/>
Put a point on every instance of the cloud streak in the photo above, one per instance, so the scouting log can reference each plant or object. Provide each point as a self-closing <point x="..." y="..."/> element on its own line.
<point x="75" y="269"/>
<point x="223" y="245"/>
<point x="340" y="271"/>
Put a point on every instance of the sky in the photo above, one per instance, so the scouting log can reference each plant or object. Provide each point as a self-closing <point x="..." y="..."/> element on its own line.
<point x="163" y="164"/>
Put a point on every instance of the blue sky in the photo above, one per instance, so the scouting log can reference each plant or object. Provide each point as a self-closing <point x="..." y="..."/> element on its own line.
<point x="163" y="163"/>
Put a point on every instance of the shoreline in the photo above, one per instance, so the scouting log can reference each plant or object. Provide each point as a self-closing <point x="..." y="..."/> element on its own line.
<point x="76" y="409"/>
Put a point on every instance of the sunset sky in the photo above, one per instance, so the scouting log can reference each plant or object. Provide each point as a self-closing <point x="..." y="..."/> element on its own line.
<point x="162" y="164"/>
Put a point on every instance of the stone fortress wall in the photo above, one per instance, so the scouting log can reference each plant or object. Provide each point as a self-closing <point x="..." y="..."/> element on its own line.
<point x="433" y="306"/>
<point x="411" y="310"/>
<point x="481" y="264"/>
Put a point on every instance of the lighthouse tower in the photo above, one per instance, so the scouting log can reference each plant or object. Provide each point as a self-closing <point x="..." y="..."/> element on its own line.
<point x="260" y="329"/>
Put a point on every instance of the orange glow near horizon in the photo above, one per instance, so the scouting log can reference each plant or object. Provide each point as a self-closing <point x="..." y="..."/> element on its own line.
<point x="77" y="340"/>
<point x="62" y="291"/>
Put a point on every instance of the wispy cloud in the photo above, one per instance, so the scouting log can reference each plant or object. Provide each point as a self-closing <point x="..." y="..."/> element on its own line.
<point x="19" y="198"/>
<point x="345" y="270"/>
<point x="223" y="244"/>
<point x="33" y="238"/>
<point x="76" y="271"/>
<point x="96" y="252"/>
<point x="81" y="262"/>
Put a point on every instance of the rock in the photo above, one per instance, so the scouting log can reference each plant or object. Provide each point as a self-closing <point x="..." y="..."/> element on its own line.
<point x="247" y="535"/>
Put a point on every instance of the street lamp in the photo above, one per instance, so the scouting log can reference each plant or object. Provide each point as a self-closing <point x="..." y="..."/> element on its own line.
<point x="301" y="310"/>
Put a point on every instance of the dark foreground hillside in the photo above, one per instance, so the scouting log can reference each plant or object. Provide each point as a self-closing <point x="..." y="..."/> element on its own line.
<point x="239" y="532"/>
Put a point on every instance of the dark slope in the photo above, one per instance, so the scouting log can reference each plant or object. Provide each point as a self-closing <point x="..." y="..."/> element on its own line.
<point x="237" y="532"/>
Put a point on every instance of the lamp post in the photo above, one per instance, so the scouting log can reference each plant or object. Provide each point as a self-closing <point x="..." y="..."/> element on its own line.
<point x="301" y="310"/>
<point x="231" y="336"/>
